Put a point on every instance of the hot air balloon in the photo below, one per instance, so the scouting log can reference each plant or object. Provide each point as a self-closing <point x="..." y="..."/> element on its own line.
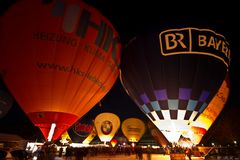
<point x="107" y="125"/>
<point x="114" y="142"/>
<point x="65" y="138"/>
<point x="82" y="130"/>
<point x="58" y="59"/>
<point x="133" y="129"/>
<point x="173" y="74"/>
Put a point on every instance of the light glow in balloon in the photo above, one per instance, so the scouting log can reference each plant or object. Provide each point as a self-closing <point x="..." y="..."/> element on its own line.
<point x="106" y="124"/>
<point x="133" y="129"/>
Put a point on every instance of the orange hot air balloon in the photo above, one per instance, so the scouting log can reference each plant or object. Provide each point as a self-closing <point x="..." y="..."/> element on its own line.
<point x="58" y="59"/>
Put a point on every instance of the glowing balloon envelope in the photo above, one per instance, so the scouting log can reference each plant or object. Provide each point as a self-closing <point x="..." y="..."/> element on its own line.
<point x="172" y="75"/>
<point x="106" y="124"/>
<point x="58" y="59"/>
<point x="133" y="129"/>
<point x="210" y="114"/>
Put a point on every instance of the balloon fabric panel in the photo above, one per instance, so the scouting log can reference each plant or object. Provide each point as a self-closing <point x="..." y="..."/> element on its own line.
<point x="171" y="82"/>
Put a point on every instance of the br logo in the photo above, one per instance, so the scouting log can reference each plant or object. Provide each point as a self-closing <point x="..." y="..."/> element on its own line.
<point x="194" y="41"/>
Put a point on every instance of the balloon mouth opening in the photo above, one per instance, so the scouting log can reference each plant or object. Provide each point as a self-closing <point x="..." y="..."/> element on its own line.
<point x="52" y="124"/>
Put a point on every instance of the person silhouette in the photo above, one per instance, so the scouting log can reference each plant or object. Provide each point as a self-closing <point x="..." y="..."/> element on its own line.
<point x="188" y="152"/>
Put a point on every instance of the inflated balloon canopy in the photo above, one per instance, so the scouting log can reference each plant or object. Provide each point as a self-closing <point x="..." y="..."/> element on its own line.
<point x="173" y="74"/>
<point x="107" y="125"/>
<point x="133" y="129"/>
<point x="58" y="59"/>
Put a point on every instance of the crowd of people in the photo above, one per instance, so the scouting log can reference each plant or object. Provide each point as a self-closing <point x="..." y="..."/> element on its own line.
<point x="69" y="152"/>
<point x="50" y="151"/>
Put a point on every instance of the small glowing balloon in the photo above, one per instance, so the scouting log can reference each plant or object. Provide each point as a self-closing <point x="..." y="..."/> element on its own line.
<point x="133" y="129"/>
<point x="65" y="138"/>
<point x="106" y="124"/>
<point x="114" y="142"/>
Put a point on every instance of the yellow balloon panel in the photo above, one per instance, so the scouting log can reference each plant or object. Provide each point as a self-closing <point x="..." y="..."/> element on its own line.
<point x="133" y="129"/>
<point x="214" y="108"/>
<point x="90" y="137"/>
<point x="106" y="124"/>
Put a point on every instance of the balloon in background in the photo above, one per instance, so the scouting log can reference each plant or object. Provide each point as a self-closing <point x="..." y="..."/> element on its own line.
<point x="114" y="142"/>
<point x="65" y="138"/>
<point x="173" y="74"/>
<point x="58" y="59"/>
<point x="107" y="125"/>
<point x="80" y="130"/>
<point x="133" y="129"/>
<point x="6" y="102"/>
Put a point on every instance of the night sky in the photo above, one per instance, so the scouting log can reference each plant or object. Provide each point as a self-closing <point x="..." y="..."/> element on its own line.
<point x="130" y="19"/>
